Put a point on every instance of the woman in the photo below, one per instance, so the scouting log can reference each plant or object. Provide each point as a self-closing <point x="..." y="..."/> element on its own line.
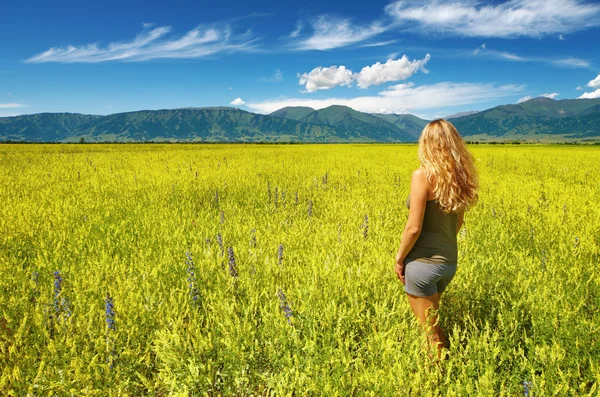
<point x="441" y="189"/>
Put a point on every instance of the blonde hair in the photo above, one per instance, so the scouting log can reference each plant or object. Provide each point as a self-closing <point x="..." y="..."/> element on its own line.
<point x="449" y="166"/>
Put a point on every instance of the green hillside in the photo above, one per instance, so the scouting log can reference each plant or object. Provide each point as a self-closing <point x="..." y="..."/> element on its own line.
<point x="292" y="112"/>
<point x="574" y="117"/>
<point x="43" y="127"/>
<point x="207" y="124"/>
<point x="552" y="120"/>
<point x="412" y="125"/>
<point x="354" y="125"/>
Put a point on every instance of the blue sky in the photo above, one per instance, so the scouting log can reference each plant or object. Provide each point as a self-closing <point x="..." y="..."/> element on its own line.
<point x="431" y="58"/>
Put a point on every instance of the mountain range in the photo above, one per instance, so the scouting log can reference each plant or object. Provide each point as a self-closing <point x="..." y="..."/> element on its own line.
<point x="530" y="120"/>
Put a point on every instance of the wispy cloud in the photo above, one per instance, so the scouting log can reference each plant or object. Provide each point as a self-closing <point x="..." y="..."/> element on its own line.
<point x="252" y="15"/>
<point x="153" y="44"/>
<point x="484" y="51"/>
<point x="276" y="78"/>
<point x="513" y="18"/>
<point x="333" y="32"/>
<point x="525" y="99"/>
<point x="299" y="27"/>
<point x="379" y="43"/>
<point x="403" y="98"/>
<point x="572" y="62"/>
<point x="550" y="95"/>
<point x="11" y="105"/>
<point x="481" y="47"/>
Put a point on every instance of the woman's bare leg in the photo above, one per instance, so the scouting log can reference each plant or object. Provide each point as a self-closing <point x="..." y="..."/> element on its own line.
<point x="424" y="307"/>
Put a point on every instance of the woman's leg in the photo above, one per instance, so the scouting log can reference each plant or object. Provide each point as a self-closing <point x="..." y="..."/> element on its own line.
<point x="425" y="309"/>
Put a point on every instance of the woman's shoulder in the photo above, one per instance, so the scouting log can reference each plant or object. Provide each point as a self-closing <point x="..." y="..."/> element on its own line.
<point x="419" y="173"/>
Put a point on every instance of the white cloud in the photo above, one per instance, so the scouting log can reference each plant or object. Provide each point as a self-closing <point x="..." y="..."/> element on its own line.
<point x="481" y="47"/>
<point x="512" y="18"/>
<point x="561" y="37"/>
<point x="594" y="83"/>
<point x="591" y="95"/>
<point x="511" y="57"/>
<point x="237" y="102"/>
<point x="483" y="51"/>
<point x="331" y="32"/>
<point x="579" y="88"/>
<point x="152" y="44"/>
<point x="321" y="78"/>
<point x="572" y="62"/>
<point x="299" y="27"/>
<point x="11" y="105"/>
<point x="379" y="43"/>
<point x="550" y="95"/>
<point x="525" y="99"/>
<point x="276" y="78"/>
<point x="403" y="98"/>
<point x="392" y="70"/>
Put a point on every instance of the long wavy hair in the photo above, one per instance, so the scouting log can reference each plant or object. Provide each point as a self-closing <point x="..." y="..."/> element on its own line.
<point x="449" y="166"/>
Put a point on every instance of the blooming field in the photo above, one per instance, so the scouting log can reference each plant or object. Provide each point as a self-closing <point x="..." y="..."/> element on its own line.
<point x="268" y="270"/>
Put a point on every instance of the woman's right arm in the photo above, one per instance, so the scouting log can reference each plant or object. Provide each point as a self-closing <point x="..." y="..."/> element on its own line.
<point x="461" y="218"/>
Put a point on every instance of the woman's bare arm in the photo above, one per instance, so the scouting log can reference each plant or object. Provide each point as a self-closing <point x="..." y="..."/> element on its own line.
<point x="418" y="201"/>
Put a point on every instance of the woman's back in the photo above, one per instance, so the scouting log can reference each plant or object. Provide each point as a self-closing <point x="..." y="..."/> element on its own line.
<point x="437" y="241"/>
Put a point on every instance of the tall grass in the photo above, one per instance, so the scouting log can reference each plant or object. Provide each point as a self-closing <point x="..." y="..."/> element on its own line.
<point x="174" y="280"/>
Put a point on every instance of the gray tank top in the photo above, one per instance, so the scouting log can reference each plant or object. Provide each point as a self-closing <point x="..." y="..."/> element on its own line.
<point x="437" y="242"/>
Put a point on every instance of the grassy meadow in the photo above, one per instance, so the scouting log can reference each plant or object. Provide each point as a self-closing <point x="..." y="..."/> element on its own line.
<point x="288" y="286"/>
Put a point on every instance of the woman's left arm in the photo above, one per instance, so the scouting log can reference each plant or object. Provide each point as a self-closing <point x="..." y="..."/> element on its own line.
<point x="412" y="230"/>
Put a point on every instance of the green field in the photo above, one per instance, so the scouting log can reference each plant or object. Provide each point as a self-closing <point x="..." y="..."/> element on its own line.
<point x="117" y="220"/>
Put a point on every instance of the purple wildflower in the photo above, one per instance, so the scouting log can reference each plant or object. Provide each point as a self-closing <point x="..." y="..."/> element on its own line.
<point x="109" y="313"/>
<point x="232" y="264"/>
<point x="284" y="306"/>
<point x="280" y="253"/>
<point x="191" y="278"/>
<point x="220" y="242"/>
<point x="526" y="386"/>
